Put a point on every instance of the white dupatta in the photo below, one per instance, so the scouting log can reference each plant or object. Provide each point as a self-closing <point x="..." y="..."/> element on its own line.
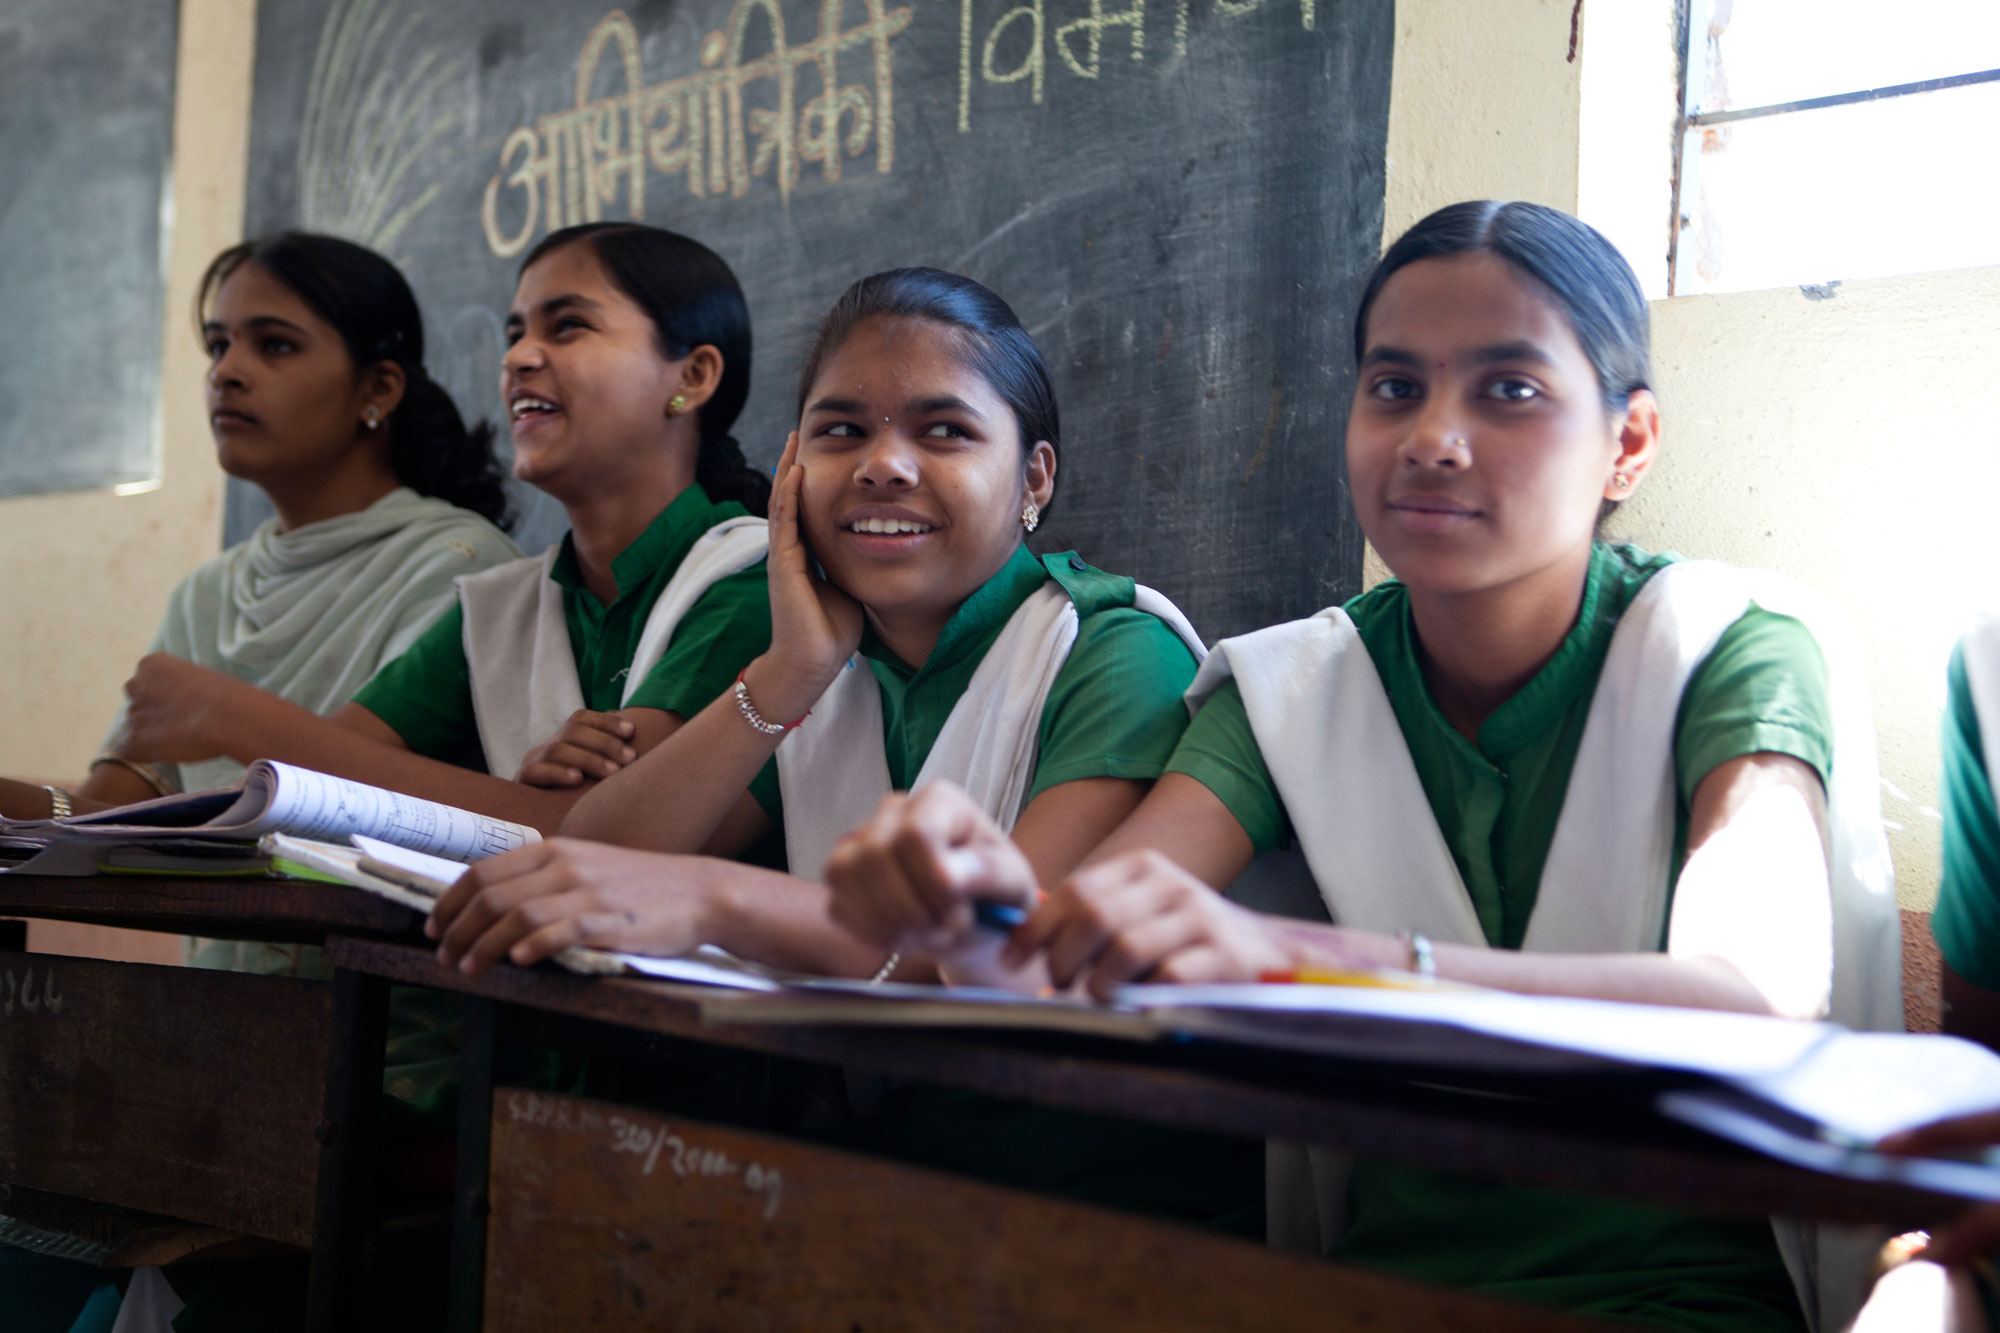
<point x="1336" y="753"/>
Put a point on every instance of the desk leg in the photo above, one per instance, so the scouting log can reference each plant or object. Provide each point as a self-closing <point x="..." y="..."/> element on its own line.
<point x="469" y="1200"/>
<point x="347" y="1133"/>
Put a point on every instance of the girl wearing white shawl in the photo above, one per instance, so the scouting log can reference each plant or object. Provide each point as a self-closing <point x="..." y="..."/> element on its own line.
<point x="628" y="361"/>
<point x="317" y="394"/>
<point x="1536" y="762"/>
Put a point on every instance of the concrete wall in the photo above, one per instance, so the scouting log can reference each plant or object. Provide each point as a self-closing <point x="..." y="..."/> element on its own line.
<point x="1844" y="441"/>
<point x="91" y="571"/>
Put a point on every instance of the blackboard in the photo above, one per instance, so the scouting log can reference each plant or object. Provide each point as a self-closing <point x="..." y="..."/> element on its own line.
<point x="85" y="121"/>
<point x="1179" y="197"/>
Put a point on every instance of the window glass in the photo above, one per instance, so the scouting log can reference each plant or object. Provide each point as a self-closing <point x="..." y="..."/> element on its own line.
<point x="1904" y="185"/>
<point x="1772" y="51"/>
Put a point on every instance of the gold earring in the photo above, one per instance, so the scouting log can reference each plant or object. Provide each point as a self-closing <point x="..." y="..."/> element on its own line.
<point x="677" y="404"/>
<point x="1621" y="481"/>
<point x="1031" y="517"/>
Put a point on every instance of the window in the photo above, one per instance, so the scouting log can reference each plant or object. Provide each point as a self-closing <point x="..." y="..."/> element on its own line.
<point x="1833" y="139"/>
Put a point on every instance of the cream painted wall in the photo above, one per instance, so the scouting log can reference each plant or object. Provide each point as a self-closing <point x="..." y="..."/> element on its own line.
<point x="92" y="570"/>
<point x="1847" y="442"/>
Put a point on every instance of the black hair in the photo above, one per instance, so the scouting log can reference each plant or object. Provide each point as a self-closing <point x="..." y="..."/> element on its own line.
<point x="990" y="337"/>
<point x="364" y="297"/>
<point x="692" y="296"/>
<point x="1591" y="282"/>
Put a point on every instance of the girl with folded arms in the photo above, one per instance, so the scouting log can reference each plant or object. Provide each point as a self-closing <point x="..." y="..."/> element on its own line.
<point x="1533" y="761"/>
<point x="628" y="360"/>
<point x="913" y="636"/>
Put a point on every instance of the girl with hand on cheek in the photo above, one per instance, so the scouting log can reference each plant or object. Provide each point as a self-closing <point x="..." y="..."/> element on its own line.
<point x="1533" y="761"/>
<point x="627" y="362"/>
<point x="913" y="626"/>
<point x="913" y="639"/>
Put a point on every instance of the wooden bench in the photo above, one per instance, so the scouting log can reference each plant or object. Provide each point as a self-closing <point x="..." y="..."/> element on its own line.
<point x="1922" y="975"/>
<point x="152" y="1114"/>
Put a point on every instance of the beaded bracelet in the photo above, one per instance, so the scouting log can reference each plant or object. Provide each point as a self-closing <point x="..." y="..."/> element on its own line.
<point x="755" y="718"/>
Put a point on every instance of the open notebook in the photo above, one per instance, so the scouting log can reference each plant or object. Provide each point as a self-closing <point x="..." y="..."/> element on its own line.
<point x="212" y="832"/>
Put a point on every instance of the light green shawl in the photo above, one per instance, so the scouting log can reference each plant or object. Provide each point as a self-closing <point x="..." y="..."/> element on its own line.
<point x="310" y="615"/>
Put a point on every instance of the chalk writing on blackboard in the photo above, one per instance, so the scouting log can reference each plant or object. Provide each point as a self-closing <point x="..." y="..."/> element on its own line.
<point x="572" y="165"/>
<point x="1078" y="44"/>
<point x="568" y="165"/>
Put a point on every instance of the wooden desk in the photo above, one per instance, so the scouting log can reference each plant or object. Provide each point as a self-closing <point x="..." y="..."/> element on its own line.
<point x="244" y="1103"/>
<point x="1537" y="1137"/>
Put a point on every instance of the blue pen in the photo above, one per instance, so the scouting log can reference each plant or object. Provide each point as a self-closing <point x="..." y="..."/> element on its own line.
<point x="1002" y="917"/>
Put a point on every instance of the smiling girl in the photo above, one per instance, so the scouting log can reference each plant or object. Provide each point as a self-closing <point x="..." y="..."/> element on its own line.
<point x="905" y="609"/>
<point x="628" y="360"/>
<point x="913" y="636"/>
<point x="317" y="394"/>
<point x="1533" y="761"/>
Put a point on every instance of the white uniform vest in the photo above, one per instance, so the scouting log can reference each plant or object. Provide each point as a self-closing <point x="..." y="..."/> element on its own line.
<point x="1337" y="756"/>
<point x="524" y="682"/>
<point x="833" y="774"/>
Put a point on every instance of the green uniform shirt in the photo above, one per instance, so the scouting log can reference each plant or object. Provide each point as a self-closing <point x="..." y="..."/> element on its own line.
<point x="426" y="694"/>
<point x="1114" y="710"/>
<point x="1967" y="919"/>
<point x="1763" y="688"/>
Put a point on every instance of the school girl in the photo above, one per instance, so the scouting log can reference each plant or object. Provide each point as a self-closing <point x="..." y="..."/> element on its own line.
<point x="317" y="395"/>
<point x="628" y="360"/>
<point x="1534" y="760"/>
<point x="1967" y="919"/>
<point x="913" y="635"/>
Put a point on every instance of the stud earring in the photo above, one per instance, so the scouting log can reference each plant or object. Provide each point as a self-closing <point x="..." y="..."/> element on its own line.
<point x="677" y="404"/>
<point x="1621" y="480"/>
<point x="372" y="416"/>
<point x="1031" y="516"/>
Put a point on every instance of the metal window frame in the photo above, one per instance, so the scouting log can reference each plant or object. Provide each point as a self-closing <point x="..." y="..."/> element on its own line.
<point x="1693" y="16"/>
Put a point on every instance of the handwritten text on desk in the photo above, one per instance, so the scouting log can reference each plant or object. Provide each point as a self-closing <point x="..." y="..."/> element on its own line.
<point x="650" y="1143"/>
<point x="29" y="991"/>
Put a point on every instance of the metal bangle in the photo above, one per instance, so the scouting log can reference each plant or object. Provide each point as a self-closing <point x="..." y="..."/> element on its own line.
<point x="59" y="806"/>
<point x="146" y="773"/>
